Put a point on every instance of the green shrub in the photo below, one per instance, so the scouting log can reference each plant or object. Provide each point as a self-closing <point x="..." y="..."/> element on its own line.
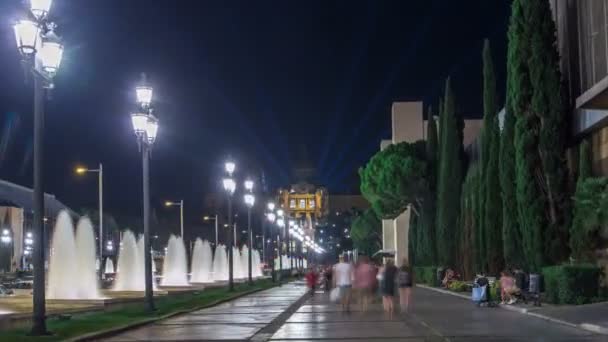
<point x="571" y="284"/>
<point x="425" y="275"/>
<point x="458" y="286"/>
<point x="495" y="290"/>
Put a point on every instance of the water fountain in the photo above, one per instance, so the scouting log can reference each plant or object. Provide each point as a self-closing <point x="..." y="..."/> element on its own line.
<point x="130" y="270"/>
<point x="72" y="261"/>
<point x="202" y="263"/>
<point x="256" y="264"/>
<point x="245" y="262"/>
<point x="220" y="264"/>
<point x="175" y="269"/>
<point x="109" y="266"/>
<point x="237" y="264"/>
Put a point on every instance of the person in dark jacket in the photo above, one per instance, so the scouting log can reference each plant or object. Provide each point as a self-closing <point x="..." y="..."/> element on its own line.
<point x="388" y="287"/>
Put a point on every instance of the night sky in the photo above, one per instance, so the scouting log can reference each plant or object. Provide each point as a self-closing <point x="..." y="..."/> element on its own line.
<point x="258" y="80"/>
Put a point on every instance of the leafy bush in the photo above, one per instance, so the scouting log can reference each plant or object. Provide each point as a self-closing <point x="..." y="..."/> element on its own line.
<point x="458" y="286"/>
<point x="426" y="275"/>
<point x="495" y="290"/>
<point x="571" y="284"/>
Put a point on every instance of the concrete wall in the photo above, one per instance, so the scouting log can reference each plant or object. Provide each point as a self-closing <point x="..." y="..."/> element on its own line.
<point x="407" y="121"/>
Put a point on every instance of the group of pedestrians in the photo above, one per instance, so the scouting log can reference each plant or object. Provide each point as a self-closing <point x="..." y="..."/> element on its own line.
<point x="364" y="279"/>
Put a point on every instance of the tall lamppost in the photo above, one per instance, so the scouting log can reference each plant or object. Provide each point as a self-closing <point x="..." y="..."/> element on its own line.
<point x="181" y="214"/>
<point x="270" y="207"/>
<point x="249" y="201"/>
<point x="145" y="125"/>
<point x="281" y="224"/>
<point x="99" y="171"/>
<point x="271" y="218"/>
<point x="230" y="186"/>
<point x="41" y="52"/>
<point x="208" y="218"/>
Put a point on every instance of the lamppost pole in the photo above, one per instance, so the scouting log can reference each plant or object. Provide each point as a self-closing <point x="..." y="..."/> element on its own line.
<point x="149" y="295"/>
<point x="41" y="53"/>
<point x="271" y="218"/>
<point x="100" y="178"/>
<point x="145" y="126"/>
<point x="230" y="187"/>
<point x="249" y="201"/>
<point x="181" y="217"/>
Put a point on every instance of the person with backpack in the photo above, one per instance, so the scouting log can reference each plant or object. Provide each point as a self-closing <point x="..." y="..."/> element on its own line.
<point x="404" y="282"/>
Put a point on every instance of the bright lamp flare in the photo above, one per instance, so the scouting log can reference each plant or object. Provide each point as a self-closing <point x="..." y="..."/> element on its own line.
<point x="140" y="123"/>
<point x="281" y="222"/>
<point x="230" y="166"/>
<point x="249" y="200"/>
<point x="152" y="129"/>
<point x="270" y="206"/>
<point x="229" y="185"/>
<point x="249" y="184"/>
<point x="144" y="95"/>
<point x="271" y="217"/>
<point x="280" y="212"/>
<point x="50" y="56"/>
<point x="27" y="34"/>
<point x="40" y="8"/>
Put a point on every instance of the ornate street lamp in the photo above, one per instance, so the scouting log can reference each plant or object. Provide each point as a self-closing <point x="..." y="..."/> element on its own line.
<point x="41" y="53"/>
<point x="230" y="187"/>
<point x="145" y="126"/>
<point x="99" y="171"/>
<point x="249" y="201"/>
<point x="271" y="216"/>
<point x="181" y="214"/>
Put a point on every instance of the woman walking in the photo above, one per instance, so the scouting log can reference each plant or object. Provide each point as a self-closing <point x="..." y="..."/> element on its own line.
<point x="388" y="287"/>
<point x="404" y="281"/>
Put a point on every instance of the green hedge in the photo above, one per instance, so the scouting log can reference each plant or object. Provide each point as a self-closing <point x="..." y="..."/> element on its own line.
<point x="458" y="286"/>
<point x="571" y="284"/>
<point x="426" y="275"/>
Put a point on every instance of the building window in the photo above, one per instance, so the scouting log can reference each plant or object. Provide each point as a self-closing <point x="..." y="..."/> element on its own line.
<point x="292" y="204"/>
<point x="302" y="204"/>
<point x="311" y="204"/>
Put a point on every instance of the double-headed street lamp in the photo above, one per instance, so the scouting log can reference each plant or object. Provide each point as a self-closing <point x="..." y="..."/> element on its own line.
<point x="249" y="201"/>
<point x="181" y="214"/>
<point x="230" y="187"/>
<point x="99" y="171"/>
<point x="281" y="224"/>
<point x="271" y="216"/>
<point x="41" y="52"/>
<point x="145" y="126"/>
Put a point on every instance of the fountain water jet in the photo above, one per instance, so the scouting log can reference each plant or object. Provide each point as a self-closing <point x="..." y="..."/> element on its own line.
<point x="220" y="264"/>
<point x="202" y="262"/>
<point x="129" y="269"/>
<point x="72" y="261"/>
<point x="175" y="268"/>
<point x="109" y="266"/>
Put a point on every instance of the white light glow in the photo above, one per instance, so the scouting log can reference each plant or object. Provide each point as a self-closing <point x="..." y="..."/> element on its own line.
<point x="27" y="34"/>
<point x="249" y="184"/>
<point x="230" y="167"/>
<point x="271" y="217"/>
<point x="144" y="95"/>
<point x="140" y="123"/>
<point x="50" y="55"/>
<point x="151" y="129"/>
<point x="270" y="206"/>
<point x="40" y="8"/>
<point x="29" y="241"/>
<point x="229" y="185"/>
<point x="280" y="212"/>
<point x="249" y="200"/>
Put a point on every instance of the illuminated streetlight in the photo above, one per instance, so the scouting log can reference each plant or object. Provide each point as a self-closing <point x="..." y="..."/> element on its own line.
<point x="41" y="52"/>
<point x="181" y="214"/>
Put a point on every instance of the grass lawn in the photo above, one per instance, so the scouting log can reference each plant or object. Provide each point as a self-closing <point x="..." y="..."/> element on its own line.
<point x="96" y="321"/>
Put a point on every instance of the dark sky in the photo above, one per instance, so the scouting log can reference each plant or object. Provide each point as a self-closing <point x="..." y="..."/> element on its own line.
<point x="258" y="80"/>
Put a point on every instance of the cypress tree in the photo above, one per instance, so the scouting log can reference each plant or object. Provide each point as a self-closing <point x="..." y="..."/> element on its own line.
<point x="449" y="182"/>
<point x="546" y="105"/>
<point x="531" y="215"/>
<point x="584" y="160"/>
<point x="431" y="203"/>
<point x="490" y="182"/>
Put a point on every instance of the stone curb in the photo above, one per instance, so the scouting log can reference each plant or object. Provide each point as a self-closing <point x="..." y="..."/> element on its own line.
<point x="116" y="330"/>
<point x="584" y="326"/>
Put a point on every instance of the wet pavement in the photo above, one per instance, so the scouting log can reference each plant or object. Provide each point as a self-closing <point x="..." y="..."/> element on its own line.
<point x="433" y="317"/>
<point x="238" y="320"/>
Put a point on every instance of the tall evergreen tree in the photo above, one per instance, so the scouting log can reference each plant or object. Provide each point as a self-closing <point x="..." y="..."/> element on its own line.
<point x="584" y="160"/>
<point x="491" y="213"/>
<point x="430" y="208"/>
<point x="582" y="239"/>
<point x="547" y="106"/>
<point x="449" y="182"/>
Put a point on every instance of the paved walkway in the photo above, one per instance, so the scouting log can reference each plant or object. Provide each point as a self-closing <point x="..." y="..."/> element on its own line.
<point x="434" y="317"/>
<point x="238" y="320"/>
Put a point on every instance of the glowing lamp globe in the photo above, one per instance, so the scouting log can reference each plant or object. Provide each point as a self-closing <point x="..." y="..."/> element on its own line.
<point x="50" y="55"/>
<point x="270" y="206"/>
<point x="229" y="166"/>
<point x="151" y="129"/>
<point x="249" y="200"/>
<point x="249" y="184"/>
<point x="40" y="8"/>
<point x="229" y="185"/>
<point x="140" y="123"/>
<point x="27" y="34"/>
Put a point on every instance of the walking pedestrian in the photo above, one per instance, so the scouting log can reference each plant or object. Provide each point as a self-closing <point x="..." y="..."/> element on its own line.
<point x="343" y="276"/>
<point x="404" y="282"/>
<point x="311" y="280"/>
<point x="388" y="287"/>
<point x="365" y="279"/>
